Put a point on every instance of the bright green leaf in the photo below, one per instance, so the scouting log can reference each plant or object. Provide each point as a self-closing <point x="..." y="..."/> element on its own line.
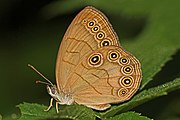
<point x="35" y="111"/>
<point x="129" y="116"/>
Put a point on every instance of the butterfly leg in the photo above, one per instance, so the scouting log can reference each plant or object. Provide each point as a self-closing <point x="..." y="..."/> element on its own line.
<point x="99" y="106"/>
<point x="57" y="110"/>
<point x="50" y="105"/>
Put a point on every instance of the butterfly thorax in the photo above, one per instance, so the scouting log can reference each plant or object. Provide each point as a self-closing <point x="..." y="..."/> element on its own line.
<point x="60" y="97"/>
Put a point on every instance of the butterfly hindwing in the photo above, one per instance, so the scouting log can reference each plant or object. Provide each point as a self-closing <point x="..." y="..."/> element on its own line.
<point x="106" y="75"/>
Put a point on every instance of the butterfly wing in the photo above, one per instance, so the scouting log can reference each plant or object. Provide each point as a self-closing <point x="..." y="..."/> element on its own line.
<point x="106" y="75"/>
<point x="88" y="31"/>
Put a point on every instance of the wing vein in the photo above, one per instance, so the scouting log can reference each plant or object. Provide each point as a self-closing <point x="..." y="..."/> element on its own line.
<point x="88" y="83"/>
<point x="68" y="62"/>
<point x="83" y="42"/>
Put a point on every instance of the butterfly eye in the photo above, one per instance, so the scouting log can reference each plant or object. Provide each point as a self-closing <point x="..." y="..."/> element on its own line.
<point x="126" y="81"/>
<point x="91" y="23"/>
<point x="122" y="92"/>
<point x="95" y="60"/>
<point x="100" y="35"/>
<point x="124" y="60"/>
<point x="95" y="28"/>
<point x="53" y="90"/>
<point x="127" y="69"/>
<point x="113" y="55"/>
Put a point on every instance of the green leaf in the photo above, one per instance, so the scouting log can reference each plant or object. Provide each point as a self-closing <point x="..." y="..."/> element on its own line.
<point x="143" y="97"/>
<point x="129" y="116"/>
<point x="35" y="111"/>
<point x="172" y="109"/>
<point x="0" y="117"/>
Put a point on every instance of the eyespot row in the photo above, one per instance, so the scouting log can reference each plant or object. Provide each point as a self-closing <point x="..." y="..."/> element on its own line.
<point x="100" y="35"/>
<point x="127" y="81"/>
<point x="96" y="60"/>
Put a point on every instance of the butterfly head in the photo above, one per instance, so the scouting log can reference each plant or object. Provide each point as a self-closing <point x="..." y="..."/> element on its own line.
<point x="61" y="97"/>
<point x="52" y="90"/>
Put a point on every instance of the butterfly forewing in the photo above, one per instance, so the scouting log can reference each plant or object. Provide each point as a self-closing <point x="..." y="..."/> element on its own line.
<point x="89" y="31"/>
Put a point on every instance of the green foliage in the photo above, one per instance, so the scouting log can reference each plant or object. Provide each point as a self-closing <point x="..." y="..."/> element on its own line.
<point x="35" y="111"/>
<point x="143" y="97"/>
<point x="157" y="41"/>
<point x="154" y="45"/>
<point x="129" y="116"/>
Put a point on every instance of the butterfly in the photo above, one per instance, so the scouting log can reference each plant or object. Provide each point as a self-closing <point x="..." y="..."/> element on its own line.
<point x="92" y="68"/>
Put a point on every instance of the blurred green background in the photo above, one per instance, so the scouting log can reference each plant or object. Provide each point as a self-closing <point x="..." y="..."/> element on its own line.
<point x="31" y="32"/>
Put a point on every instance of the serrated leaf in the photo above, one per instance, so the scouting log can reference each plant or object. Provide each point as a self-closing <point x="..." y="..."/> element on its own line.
<point x="129" y="116"/>
<point x="35" y="111"/>
<point x="143" y="97"/>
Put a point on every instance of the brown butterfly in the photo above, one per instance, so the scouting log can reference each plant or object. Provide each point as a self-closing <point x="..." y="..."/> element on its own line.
<point x="92" y="68"/>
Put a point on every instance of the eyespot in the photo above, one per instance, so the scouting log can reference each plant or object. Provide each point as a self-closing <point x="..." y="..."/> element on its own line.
<point x="95" y="60"/>
<point x="126" y="81"/>
<point x="105" y="42"/>
<point x="100" y="35"/>
<point x="124" y="60"/>
<point x="122" y="92"/>
<point x="91" y="23"/>
<point x="113" y="55"/>
<point x="95" y="28"/>
<point x="84" y="21"/>
<point x="127" y="69"/>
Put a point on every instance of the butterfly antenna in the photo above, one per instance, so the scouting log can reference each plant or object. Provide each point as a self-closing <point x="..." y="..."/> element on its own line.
<point x="49" y="82"/>
<point x="42" y="82"/>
